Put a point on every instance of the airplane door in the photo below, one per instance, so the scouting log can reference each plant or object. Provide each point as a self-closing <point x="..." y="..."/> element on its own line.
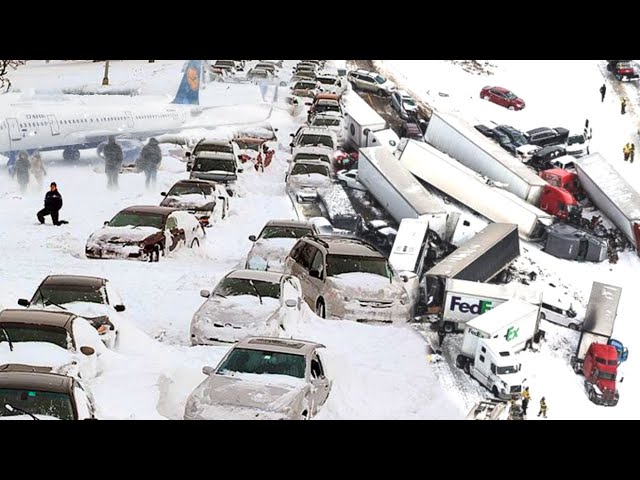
<point x="14" y="129"/>
<point x="129" y="119"/>
<point x="55" y="127"/>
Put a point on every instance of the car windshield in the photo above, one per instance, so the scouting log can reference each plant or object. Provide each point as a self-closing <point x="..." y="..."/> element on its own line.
<point x="315" y="140"/>
<point x="380" y="79"/>
<point x="284" y="232"/>
<point x="510" y="95"/>
<point x="408" y="101"/>
<point x="212" y="147"/>
<point x="62" y="294"/>
<point x="36" y="402"/>
<point x="307" y="169"/>
<point x="518" y="138"/>
<point x="190" y="189"/>
<point x="606" y="375"/>
<point x="326" y="122"/>
<point x="304" y="86"/>
<point x="327" y="81"/>
<point x="244" y="360"/>
<point x="327" y="107"/>
<point x="508" y="369"/>
<point x="573" y="139"/>
<point x="21" y="332"/>
<point x="501" y="137"/>
<point x="209" y="164"/>
<point x="123" y="219"/>
<point x="311" y="156"/>
<point x="230" y="287"/>
<point x="339" y="264"/>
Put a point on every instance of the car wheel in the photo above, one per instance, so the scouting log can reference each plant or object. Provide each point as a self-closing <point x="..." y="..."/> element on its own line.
<point x="573" y="326"/>
<point x="321" y="309"/>
<point x="155" y="254"/>
<point x="448" y="327"/>
<point x="305" y="415"/>
<point x="343" y="183"/>
<point x="511" y="107"/>
<point x="381" y="92"/>
<point x="486" y="97"/>
<point x="195" y="243"/>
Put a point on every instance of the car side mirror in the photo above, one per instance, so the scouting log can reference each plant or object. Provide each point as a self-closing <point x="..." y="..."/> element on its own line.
<point x="205" y="293"/>
<point x="23" y="302"/>
<point x="252" y="238"/>
<point x="291" y="303"/>
<point x="314" y="272"/>
<point x="119" y="308"/>
<point x="208" y="370"/>
<point x="291" y="135"/>
<point x="404" y="278"/>
<point x="164" y="194"/>
<point x="291" y="144"/>
<point x="106" y="223"/>
<point x="87" y="350"/>
<point x="240" y="170"/>
<point x="188" y="154"/>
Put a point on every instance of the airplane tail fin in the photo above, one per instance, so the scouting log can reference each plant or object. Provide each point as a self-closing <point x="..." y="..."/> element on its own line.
<point x="189" y="90"/>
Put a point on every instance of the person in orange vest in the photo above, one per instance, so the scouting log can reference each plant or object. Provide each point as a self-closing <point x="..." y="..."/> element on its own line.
<point x="626" y="150"/>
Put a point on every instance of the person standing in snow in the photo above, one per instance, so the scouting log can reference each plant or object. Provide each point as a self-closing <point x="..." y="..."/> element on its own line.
<point x="22" y="170"/>
<point x="543" y="408"/>
<point x="37" y="168"/>
<point x="632" y="152"/>
<point x="259" y="165"/>
<point x="52" y="205"/>
<point x="603" y="91"/>
<point x="149" y="161"/>
<point x="113" y="159"/>
<point x="626" y="151"/>
<point x="623" y="106"/>
<point x="268" y="154"/>
<point x="525" y="400"/>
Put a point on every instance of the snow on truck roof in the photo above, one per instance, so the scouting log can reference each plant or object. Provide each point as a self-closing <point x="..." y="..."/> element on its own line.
<point x="612" y="184"/>
<point x="502" y="316"/>
<point x="360" y="111"/>
<point x="602" y="309"/>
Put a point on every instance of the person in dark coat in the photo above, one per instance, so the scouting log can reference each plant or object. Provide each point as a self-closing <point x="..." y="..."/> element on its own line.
<point x="113" y="158"/>
<point x="52" y="205"/>
<point x="526" y="396"/>
<point x="632" y="152"/>
<point x="603" y="91"/>
<point x="623" y="106"/>
<point x="22" y="170"/>
<point x="149" y="161"/>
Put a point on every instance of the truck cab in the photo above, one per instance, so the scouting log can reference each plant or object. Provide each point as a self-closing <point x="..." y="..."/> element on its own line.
<point x="562" y="178"/>
<point x="600" y="369"/>
<point x="560" y="203"/>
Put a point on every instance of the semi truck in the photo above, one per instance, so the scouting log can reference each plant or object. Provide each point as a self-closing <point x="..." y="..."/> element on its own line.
<point x="364" y="126"/>
<point x="453" y="179"/>
<point x="597" y="357"/>
<point x="612" y="194"/>
<point x="479" y="260"/>
<point x="398" y="191"/>
<point x="465" y="300"/>
<point x="490" y="344"/>
<point x="455" y="137"/>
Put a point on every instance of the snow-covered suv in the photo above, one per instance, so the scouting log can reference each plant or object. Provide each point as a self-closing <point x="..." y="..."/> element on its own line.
<point x="371" y="82"/>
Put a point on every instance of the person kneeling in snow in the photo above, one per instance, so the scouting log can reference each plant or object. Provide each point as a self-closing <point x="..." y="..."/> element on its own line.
<point x="52" y="205"/>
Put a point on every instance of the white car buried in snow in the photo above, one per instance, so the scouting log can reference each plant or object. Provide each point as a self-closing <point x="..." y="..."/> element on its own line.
<point x="246" y="302"/>
<point x="262" y="379"/>
<point x="198" y="197"/>
<point x="349" y="178"/>
<point x="305" y="178"/>
<point x="274" y="243"/>
<point x="145" y="233"/>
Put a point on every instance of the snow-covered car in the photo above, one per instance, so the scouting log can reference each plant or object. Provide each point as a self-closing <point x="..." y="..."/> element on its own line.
<point x="560" y="315"/>
<point x="404" y="104"/>
<point x="379" y="233"/>
<point x="256" y="75"/>
<point x="198" y="197"/>
<point x="577" y="145"/>
<point x="92" y="298"/>
<point x="314" y="137"/>
<point x="349" y="178"/>
<point x="274" y="243"/>
<point x="305" y="88"/>
<point x="145" y="232"/>
<point x="66" y="343"/>
<point x="212" y="146"/>
<point x="331" y="83"/>
<point x="322" y="154"/>
<point x="262" y="378"/>
<point x="35" y="393"/>
<point x="371" y="82"/>
<point x="306" y="178"/>
<point x="245" y="302"/>
<point x="334" y="121"/>
<point x="346" y="278"/>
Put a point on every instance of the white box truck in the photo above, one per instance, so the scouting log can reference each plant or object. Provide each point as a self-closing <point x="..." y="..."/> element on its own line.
<point x="453" y="179"/>
<point x="364" y="126"/>
<point x="465" y="300"/>
<point x="457" y="138"/>
<point x="398" y="191"/>
<point x="612" y="194"/>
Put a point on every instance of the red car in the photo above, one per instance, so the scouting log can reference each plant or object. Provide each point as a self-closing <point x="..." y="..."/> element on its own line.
<point x="502" y="97"/>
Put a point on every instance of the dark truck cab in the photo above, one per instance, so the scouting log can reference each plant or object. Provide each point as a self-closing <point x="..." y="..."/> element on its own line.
<point x="622" y="69"/>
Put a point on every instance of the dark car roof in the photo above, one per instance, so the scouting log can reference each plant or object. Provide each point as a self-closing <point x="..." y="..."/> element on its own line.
<point x="540" y="130"/>
<point x="548" y="149"/>
<point x="37" y="317"/>
<point x="19" y="376"/>
<point x="73" y="280"/>
<point x="289" y="223"/>
<point x="194" y="181"/>
<point x="149" y="209"/>
<point x="345" y="246"/>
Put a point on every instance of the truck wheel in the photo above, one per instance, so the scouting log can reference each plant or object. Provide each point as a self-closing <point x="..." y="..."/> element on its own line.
<point x="321" y="310"/>
<point x="576" y="367"/>
<point x="573" y="326"/>
<point x="495" y="392"/>
<point x="592" y="396"/>
<point x="459" y="361"/>
<point x="528" y="345"/>
<point x="448" y="327"/>
<point x="381" y="92"/>
<point x="467" y="368"/>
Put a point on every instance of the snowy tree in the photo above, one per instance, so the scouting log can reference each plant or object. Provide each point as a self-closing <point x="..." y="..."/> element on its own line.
<point x="5" y="65"/>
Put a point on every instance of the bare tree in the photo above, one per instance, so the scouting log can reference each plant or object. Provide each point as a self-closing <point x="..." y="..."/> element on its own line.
<point x="5" y="65"/>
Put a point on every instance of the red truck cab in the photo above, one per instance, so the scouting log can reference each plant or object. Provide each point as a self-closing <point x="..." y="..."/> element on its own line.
<point x="559" y="202"/>
<point x="600" y="368"/>
<point x="563" y="179"/>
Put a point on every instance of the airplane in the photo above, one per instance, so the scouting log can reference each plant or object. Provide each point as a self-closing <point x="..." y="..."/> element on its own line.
<point x="75" y="127"/>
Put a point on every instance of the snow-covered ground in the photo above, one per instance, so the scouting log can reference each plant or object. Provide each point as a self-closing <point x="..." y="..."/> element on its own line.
<point x="565" y="94"/>
<point x="377" y="371"/>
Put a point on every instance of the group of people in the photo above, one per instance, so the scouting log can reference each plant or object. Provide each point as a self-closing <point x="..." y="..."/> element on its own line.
<point x="265" y="155"/>
<point x="148" y="162"/>
<point x="623" y="101"/>
<point x="629" y="151"/>
<point x="514" y="408"/>
<point x="24" y="168"/>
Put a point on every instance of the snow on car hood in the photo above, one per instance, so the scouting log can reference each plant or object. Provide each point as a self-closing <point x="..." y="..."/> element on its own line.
<point x="271" y="393"/>
<point x="270" y="253"/>
<point x="39" y="354"/>
<point x="240" y="310"/>
<point x="366" y="286"/>
<point x="128" y="234"/>
<point x="84" y="309"/>
<point x="190" y="201"/>
<point x="309" y="180"/>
